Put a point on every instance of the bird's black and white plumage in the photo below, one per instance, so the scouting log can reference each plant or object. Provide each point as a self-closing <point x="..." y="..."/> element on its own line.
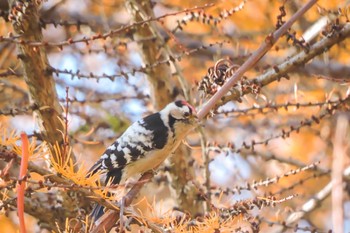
<point x="145" y="145"/>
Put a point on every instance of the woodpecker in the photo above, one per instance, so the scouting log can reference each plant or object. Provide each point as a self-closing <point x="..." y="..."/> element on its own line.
<point x="145" y="145"/>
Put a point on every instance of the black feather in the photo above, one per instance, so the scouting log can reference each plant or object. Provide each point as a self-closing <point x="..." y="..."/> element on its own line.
<point x="95" y="168"/>
<point x="114" y="176"/>
<point x="97" y="212"/>
<point x="135" y="153"/>
<point x="160" y="131"/>
<point x="113" y="173"/>
<point x="115" y="167"/>
<point x="172" y="121"/>
<point x="179" y="103"/>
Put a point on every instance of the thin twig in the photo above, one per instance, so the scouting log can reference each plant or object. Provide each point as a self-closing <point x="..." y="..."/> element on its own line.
<point x="22" y="185"/>
<point x="310" y="205"/>
<point x="270" y="40"/>
<point x="110" y="34"/>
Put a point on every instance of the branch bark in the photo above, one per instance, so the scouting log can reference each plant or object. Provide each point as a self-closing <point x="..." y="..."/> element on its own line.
<point x="310" y="205"/>
<point x="164" y="91"/>
<point x="159" y="77"/>
<point x="295" y="62"/>
<point x="35" y="65"/>
<point x="270" y="40"/>
<point x="107" y="221"/>
<point x="50" y="208"/>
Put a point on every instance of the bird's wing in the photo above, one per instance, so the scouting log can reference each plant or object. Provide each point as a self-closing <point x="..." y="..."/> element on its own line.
<point x="115" y="158"/>
<point x="139" y="139"/>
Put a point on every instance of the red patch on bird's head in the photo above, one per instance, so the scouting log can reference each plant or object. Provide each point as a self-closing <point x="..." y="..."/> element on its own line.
<point x="183" y="102"/>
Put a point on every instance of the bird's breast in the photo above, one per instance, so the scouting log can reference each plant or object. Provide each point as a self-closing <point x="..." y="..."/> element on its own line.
<point x="150" y="161"/>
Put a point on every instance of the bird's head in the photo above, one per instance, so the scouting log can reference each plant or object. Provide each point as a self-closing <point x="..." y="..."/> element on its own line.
<point x="181" y="114"/>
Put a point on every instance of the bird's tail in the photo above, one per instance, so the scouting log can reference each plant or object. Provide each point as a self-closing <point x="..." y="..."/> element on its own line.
<point x="97" y="212"/>
<point x="98" y="209"/>
<point x="112" y="177"/>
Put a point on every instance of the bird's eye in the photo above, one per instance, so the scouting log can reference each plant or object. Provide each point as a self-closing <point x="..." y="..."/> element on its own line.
<point x="186" y="114"/>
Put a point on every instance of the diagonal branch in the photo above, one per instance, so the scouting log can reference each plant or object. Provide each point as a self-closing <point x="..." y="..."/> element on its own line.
<point x="108" y="220"/>
<point x="297" y="60"/>
<point x="270" y="40"/>
<point x="311" y="204"/>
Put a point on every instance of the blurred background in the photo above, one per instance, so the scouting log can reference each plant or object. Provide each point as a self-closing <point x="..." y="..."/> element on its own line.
<point x="114" y="62"/>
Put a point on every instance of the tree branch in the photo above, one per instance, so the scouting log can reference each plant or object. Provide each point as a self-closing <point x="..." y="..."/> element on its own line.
<point x="35" y="64"/>
<point x="164" y="90"/>
<point x="296" y="61"/>
<point x="40" y="204"/>
<point x="311" y="204"/>
<point x="108" y="220"/>
<point x="270" y="40"/>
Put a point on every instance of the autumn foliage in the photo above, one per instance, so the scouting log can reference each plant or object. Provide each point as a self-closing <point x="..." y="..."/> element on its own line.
<point x="269" y="80"/>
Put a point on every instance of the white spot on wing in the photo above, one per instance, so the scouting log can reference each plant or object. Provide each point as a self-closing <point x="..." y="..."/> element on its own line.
<point x="126" y="150"/>
<point x="128" y="158"/>
<point x="135" y="134"/>
<point x="112" y="147"/>
<point x="113" y="158"/>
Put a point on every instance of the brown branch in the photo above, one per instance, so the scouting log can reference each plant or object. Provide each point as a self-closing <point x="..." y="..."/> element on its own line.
<point x="36" y="42"/>
<point x="310" y="204"/>
<point x="164" y="90"/>
<point x="159" y="77"/>
<point x="294" y="62"/>
<point x="108" y="220"/>
<point x="286" y="132"/>
<point x="35" y="63"/>
<point x="208" y="18"/>
<point x="303" y="57"/>
<point x="270" y="40"/>
<point x="39" y="204"/>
